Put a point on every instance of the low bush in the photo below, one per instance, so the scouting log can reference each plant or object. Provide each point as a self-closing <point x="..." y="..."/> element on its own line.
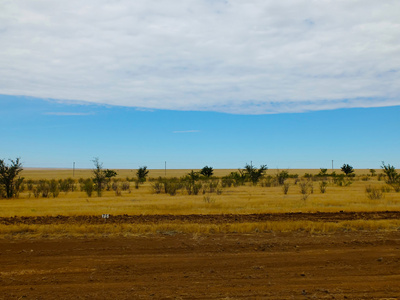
<point x="208" y="199"/>
<point x="281" y="177"/>
<point x="87" y="186"/>
<point x="125" y="186"/>
<point x="322" y="186"/>
<point x="306" y="188"/>
<point x="53" y="188"/>
<point x="342" y="180"/>
<point x="285" y="187"/>
<point x="374" y="193"/>
<point x="269" y="181"/>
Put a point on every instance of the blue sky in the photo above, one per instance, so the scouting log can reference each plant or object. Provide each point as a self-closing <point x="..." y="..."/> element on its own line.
<point x="47" y="133"/>
<point x="291" y="83"/>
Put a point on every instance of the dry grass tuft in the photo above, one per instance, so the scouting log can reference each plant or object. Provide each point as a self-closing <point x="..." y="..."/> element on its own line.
<point x="21" y="231"/>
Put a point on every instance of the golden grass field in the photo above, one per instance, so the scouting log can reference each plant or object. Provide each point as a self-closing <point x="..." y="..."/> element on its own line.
<point x="240" y="242"/>
<point x="246" y="199"/>
<point x="43" y="173"/>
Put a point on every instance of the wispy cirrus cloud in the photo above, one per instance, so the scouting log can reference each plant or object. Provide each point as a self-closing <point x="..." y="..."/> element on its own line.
<point x="67" y="114"/>
<point x="186" y="131"/>
<point x="232" y="56"/>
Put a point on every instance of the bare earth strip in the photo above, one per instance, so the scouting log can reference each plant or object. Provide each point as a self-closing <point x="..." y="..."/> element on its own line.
<point x="295" y="265"/>
<point x="209" y="218"/>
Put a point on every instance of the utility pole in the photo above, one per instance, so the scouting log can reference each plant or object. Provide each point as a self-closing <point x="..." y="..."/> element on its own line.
<point x="332" y="164"/>
<point x="73" y="170"/>
<point x="165" y="166"/>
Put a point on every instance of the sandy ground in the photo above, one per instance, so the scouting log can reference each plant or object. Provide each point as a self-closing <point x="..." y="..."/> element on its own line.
<point x="296" y="265"/>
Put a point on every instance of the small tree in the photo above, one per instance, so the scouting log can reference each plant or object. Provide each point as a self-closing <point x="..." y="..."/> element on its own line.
<point x="141" y="174"/>
<point x="255" y="174"/>
<point x="101" y="177"/>
<point x="347" y="169"/>
<point x="323" y="172"/>
<point x="8" y="177"/>
<point x="391" y="174"/>
<point x="109" y="174"/>
<point x="207" y="171"/>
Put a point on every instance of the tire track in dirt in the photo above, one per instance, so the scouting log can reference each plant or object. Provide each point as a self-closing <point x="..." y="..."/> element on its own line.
<point x="203" y="219"/>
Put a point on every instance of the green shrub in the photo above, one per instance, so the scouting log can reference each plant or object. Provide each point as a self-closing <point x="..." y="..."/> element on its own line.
<point x="87" y="186"/>
<point x="281" y="177"/>
<point x="53" y="188"/>
<point x="269" y="181"/>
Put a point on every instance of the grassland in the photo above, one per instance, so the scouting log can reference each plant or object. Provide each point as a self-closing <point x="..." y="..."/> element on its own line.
<point x="51" y="173"/>
<point x="245" y="241"/>
<point x="246" y="199"/>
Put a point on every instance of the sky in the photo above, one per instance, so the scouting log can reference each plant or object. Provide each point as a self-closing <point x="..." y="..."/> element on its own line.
<point x="290" y="84"/>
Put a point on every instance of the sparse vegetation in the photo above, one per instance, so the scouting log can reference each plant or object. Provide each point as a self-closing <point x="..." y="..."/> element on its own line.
<point x="392" y="177"/>
<point x="285" y="187"/>
<point x="254" y="174"/>
<point x="99" y="176"/>
<point x="87" y="186"/>
<point x="342" y="180"/>
<point x="374" y="193"/>
<point x="226" y="193"/>
<point x="141" y="174"/>
<point x="322" y="186"/>
<point x="391" y="173"/>
<point x="347" y="169"/>
<point x="10" y="182"/>
<point x="207" y="171"/>
<point x="305" y="188"/>
<point x="281" y="176"/>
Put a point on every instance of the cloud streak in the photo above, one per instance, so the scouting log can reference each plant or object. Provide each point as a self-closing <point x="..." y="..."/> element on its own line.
<point x="186" y="131"/>
<point x="250" y="57"/>
<point x="67" y="114"/>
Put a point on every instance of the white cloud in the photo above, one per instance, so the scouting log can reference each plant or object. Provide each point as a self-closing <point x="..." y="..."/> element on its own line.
<point x="186" y="131"/>
<point x="67" y="114"/>
<point x="233" y="56"/>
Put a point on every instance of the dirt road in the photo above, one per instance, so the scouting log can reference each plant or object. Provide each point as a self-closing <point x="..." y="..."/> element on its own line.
<point x="352" y="265"/>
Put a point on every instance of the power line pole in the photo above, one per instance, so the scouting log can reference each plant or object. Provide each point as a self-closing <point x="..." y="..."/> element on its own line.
<point x="73" y="170"/>
<point x="332" y="164"/>
<point x="165" y="166"/>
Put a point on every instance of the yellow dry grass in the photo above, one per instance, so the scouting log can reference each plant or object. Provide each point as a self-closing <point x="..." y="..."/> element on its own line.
<point x="43" y="173"/>
<point x="169" y="228"/>
<point x="234" y="200"/>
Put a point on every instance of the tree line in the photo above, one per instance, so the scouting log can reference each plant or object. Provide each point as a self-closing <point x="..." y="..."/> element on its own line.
<point x="11" y="183"/>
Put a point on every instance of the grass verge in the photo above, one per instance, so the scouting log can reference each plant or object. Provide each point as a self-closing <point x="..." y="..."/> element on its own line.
<point x="23" y="231"/>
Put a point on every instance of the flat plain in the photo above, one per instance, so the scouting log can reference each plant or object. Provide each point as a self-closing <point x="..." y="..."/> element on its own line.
<point x="243" y="242"/>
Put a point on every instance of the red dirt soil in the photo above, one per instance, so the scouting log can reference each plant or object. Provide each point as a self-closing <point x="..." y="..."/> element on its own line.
<point x="208" y="218"/>
<point x="297" y="265"/>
